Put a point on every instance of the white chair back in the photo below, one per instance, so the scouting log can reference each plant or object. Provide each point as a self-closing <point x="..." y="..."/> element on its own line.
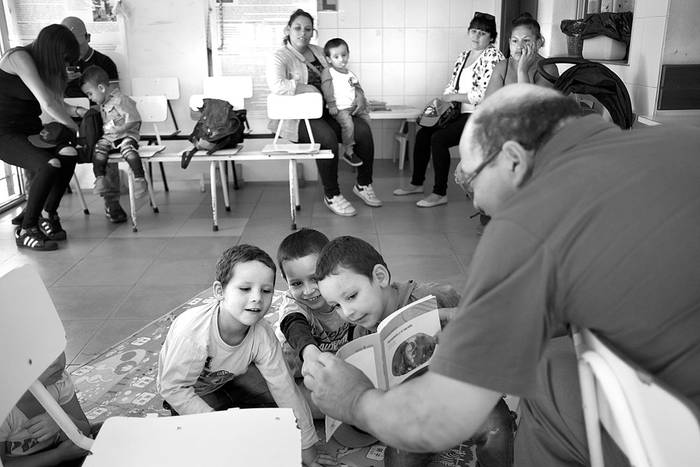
<point x="153" y="109"/>
<point x="296" y="107"/>
<point x="233" y="89"/>
<point x="652" y="424"/>
<point x="166" y="86"/>
<point x="31" y="335"/>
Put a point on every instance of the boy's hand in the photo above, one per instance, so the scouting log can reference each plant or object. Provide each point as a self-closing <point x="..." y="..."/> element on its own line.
<point x="68" y="451"/>
<point x="333" y="111"/>
<point x="41" y="427"/>
<point x="313" y="457"/>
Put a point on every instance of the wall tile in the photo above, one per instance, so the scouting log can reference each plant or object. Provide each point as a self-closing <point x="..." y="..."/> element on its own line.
<point x="392" y="77"/>
<point x="371" y="14"/>
<point x="371" y="45"/>
<point x="437" y="76"/>
<point x="393" y="44"/>
<point x="325" y="34"/>
<point x="461" y="12"/>
<point x="647" y="8"/>
<point x="436" y="47"/>
<point x="415" y="78"/>
<point x="371" y="79"/>
<point x="416" y="13"/>
<point x="349" y="14"/>
<point x="419" y="100"/>
<point x="393" y="13"/>
<point x="415" y="42"/>
<point x="457" y="42"/>
<point x="352" y="37"/>
<point x="438" y="14"/>
<point x="326" y="19"/>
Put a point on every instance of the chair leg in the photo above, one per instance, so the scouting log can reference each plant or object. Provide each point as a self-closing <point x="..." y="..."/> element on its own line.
<point x="402" y="151"/>
<point x="292" y="202"/>
<point x="235" y="175"/>
<point x="132" y="201"/>
<point x="212" y="181"/>
<point x="162" y="174"/>
<point x="224" y="185"/>
<point x="149" y="186"/>
<point x="86" y="211"/>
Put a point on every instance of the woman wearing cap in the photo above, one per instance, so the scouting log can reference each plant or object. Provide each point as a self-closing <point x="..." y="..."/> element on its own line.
<point x="470" y="77"/>
<point x="33" y="78"/>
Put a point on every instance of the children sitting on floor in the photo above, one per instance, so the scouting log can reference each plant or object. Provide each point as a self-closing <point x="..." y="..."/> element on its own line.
<point x="353" y="276"/>
<point x="121" y="125"/>
<point x="29" y="436"/>
<point x="224" y="355"/>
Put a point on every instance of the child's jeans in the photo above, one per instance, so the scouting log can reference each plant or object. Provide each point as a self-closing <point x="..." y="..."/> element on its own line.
<point x="128" y="148"/>
<point x="347" y="127"/>
<point x="493" y="440"/>
<point x="246" y="391"/>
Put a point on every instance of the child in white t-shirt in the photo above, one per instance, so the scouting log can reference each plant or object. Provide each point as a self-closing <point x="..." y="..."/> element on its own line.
<point x="224" y="355"/>
<point x="344" y="96"/>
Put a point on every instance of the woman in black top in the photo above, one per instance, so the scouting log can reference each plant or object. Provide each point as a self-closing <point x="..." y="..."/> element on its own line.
<point x="33" y="78"/>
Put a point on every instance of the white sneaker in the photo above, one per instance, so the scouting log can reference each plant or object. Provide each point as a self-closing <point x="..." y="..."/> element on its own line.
<point x="431" y="201"/>
<point x="366" y="194"/>
<point x="411" y="190"/>
<point x="339" y="205"/>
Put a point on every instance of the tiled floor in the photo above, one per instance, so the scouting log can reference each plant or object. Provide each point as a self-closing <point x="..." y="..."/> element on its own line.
<point x="107" y="281"/>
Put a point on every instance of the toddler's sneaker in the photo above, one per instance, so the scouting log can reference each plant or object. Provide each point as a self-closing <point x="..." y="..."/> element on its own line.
<point x="33" y="239"/>
<point x="352" y="159"/>
<point x="431" y="201"/>
<point x="140" y="187"/>
<point x="51" y="227"/>
<point x="366" y="194"/>
<point x="339" y="205"/>
<point x="411" y="190"/>
<point x="100" y="185"/>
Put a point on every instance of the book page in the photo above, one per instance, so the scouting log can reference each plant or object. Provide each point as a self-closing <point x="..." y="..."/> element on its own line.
<point x="409" y="339"/>
<point x="361" y="354"/>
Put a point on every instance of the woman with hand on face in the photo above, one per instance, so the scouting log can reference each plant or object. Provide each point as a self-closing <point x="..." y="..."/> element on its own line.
<point x="521" y="67"/>
<point x="295" y="69"/>
<point x="467" y="85"/>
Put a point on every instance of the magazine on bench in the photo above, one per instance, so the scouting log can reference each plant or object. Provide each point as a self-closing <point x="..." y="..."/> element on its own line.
<point x="291" y="148"/>
<point x="403" y="345"/>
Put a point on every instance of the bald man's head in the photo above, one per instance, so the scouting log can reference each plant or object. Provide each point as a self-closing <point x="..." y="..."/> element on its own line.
<point x="77" y="27"/>
<point x="524" y="113"/>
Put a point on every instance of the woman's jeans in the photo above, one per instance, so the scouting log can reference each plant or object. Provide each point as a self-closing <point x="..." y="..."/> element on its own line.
<point x="493" y="440"/>
<point x="438" y="141"/>
<point x="326" y="131"/>
<point x="49" y="183"/>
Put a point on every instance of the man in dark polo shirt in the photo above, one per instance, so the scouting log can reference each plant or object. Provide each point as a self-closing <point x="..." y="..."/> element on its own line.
<point x="88" y="57"/>
<point x="591" y="226"/>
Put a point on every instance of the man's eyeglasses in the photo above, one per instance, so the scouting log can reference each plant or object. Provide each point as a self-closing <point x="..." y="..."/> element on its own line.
<point x="465" y="180"/>
<point x="487" y="16"/>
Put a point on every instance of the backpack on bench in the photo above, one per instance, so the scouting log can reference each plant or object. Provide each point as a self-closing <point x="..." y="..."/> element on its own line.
<point x="219" y="127"/>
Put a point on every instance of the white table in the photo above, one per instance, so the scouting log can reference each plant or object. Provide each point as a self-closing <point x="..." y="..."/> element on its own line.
<point x="241" y="154"/>
<point x="400" y="112"/>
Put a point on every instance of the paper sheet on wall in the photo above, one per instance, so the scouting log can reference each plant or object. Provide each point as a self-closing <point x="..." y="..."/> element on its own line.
<point x="244" y="33"/>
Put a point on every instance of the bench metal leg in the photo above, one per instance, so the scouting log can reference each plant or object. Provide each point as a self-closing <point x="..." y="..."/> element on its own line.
<point x="212" y="180"/>
<point x="86" y="211"/>
<point x="149" y="186"/>
<point x="292" y="201"/>
<point x="224" y="185"/>
<point x="162" y="174"/>
<point x="132" y="201"/>
<point x="297" y="200"/>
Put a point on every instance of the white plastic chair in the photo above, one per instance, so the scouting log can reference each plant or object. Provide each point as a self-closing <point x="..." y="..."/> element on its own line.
<point x="297" y="107"/>
<point x="231" y="437"/>
<point x="652" y="424"/>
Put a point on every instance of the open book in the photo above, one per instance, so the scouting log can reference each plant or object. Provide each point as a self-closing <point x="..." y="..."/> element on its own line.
<point x="403" y="345"/>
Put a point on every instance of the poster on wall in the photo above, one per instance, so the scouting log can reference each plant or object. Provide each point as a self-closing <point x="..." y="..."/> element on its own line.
<point x="27" y="17"/>
<point x="243" y="34"/>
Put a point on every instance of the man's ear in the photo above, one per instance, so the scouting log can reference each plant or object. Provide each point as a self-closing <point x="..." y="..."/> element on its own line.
<point x="381" y="276"/>
<point x="218" y="290"/>
<point x="519" y="160"/>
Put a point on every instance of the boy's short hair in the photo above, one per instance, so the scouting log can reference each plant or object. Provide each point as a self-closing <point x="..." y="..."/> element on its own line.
<point x="350" y="253"/>
<point x="94" y="75"/>
<point x="332" y="44"/>
<point x="296" y="245"/>
<point x="241" y="254"/>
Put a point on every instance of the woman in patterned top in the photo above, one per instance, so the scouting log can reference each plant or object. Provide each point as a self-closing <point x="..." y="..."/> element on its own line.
<point x="467" y="85"/>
